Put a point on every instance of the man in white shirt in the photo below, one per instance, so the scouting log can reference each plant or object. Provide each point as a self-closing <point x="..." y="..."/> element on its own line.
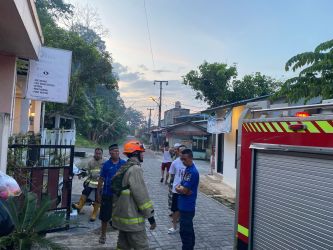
<point x="176" y="171"/>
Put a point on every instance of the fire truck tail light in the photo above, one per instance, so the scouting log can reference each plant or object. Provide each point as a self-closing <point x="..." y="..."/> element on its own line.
<point x="302" y="114"/>
<point x="297" y="127"/>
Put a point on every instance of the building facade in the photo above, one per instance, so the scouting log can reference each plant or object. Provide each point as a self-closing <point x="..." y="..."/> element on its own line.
<point x="21" y="37"/>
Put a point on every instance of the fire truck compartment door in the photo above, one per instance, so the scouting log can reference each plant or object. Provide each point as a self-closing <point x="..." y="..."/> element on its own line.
<point x="292" y="200"/>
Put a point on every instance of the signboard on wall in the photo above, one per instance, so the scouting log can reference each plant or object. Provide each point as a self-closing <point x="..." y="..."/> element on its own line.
<point x="48" y="78"/>
<point x="218" y="126"/>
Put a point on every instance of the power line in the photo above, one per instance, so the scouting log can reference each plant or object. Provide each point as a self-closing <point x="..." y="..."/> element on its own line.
<point x="151" y="48"/>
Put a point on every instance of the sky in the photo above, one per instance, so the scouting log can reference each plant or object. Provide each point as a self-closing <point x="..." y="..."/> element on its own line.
<point x="257" y="35"/>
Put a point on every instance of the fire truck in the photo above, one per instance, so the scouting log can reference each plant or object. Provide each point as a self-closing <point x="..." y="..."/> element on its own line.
<point x="285" y="178"/>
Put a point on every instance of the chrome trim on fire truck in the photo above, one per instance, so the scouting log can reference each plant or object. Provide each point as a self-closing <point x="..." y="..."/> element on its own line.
<point x="291" y="148"/>
<point x="312" y="106"/>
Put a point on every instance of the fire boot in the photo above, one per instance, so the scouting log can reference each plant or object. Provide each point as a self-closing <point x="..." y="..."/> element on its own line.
<point x="81" y="203"/>
<point x="95" y="211"/>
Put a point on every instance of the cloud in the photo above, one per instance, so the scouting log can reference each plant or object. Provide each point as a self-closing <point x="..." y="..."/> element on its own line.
<point x="124" y="73"/>
<point x="143" y="67"/>
<point x="160" y="71"/>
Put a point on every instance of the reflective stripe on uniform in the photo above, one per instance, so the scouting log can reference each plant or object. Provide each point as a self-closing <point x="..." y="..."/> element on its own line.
<point x="126" y="192"/>
<point x="129" y="221"/>
<point x="243" y="230"/>
<point x="146" y="205"/>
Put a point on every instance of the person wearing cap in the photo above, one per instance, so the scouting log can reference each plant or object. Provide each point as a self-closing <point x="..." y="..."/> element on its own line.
<point x="90" y="184"/>
<point x="176" y="172"/>
<point x="104" y="196"/>
<point x="132" y="204"/>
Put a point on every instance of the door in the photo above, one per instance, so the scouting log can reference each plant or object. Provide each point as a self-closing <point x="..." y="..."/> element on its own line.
<point x="220" y="153"/>
<point x="292" y="201"/>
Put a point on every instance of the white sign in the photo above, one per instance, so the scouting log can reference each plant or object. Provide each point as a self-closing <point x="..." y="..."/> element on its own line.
<point x="48" y="78"/>
<point x="218" y="126"/>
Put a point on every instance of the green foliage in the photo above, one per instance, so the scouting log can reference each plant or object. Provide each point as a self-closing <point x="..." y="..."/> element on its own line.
<point x="216" y="84"/>
<point x="93" y="97"/>
<point x="315" y="77"/>
<point x="31" y="221"/>
<point x="212" y="82"/>
<point x="254" y="85"/>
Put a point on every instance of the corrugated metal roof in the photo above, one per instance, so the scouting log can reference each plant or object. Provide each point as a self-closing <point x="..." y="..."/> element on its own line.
<point x="238" y="103"/>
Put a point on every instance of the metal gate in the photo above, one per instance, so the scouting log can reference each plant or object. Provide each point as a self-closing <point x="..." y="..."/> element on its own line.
<point x="292" y="200"/>
<point x="46" y="170"/>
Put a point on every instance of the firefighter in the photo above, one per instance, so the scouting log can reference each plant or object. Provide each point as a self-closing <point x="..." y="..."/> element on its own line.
<point x="131" y="201"/>
<point x="90" y="184"/>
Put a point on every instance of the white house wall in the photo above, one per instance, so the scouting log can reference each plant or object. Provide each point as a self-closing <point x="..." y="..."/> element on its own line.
<point x="229" y="170"/>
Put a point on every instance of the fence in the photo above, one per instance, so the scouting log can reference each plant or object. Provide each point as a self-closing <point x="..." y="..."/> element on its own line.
<point x="46" y="170"/>
<point x="58" y="137"/>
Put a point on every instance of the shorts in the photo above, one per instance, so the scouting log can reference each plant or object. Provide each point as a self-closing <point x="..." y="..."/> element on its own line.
<point x="174" y="203"/>
<point x="105" y="213"/>
<point x="166" y="165"/>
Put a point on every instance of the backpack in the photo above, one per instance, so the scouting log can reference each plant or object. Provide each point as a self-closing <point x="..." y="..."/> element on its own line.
<point x="117" y="179"/>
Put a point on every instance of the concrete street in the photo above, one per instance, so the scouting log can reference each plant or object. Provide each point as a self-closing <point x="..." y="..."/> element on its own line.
<point x="213" y="221"/>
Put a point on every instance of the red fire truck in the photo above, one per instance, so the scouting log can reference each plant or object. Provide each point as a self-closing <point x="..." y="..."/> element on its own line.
<point x="285" y="179"/>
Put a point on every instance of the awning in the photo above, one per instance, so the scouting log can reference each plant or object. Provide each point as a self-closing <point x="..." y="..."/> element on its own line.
<point x="218" y="126"/>
<point x="20" y="32"/>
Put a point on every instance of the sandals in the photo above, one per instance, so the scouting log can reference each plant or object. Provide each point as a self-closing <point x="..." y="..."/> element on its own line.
<point x="102" y="240"/>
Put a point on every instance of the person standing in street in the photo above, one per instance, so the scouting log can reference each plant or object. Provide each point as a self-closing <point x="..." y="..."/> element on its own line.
<point x="177" y="170"/>
<point x="90" y="184"/>
<point x="104" y="197"/>
<point x="132" y="204"/>
<point x="166" y="162"/>
<point x="187" y="190"/>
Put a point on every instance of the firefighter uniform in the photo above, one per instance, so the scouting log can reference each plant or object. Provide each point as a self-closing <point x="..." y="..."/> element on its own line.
<point x="90" y="184"/>
<point x="94" y="170"/>
<point x="131" y="206"/>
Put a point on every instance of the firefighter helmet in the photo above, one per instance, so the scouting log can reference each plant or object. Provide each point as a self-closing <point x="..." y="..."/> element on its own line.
<point x="133" y="146"/>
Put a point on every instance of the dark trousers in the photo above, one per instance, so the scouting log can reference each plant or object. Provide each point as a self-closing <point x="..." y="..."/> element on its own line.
<point x="186" y="230"/>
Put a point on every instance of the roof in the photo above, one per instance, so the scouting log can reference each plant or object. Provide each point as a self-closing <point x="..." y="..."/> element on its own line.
<point x="169" y="128"/>
<point x="238" y="103"/>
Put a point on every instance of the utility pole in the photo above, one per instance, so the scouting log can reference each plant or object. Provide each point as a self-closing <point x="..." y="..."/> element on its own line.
<point x="149" y="119"/>
<point x="160" y="105"/>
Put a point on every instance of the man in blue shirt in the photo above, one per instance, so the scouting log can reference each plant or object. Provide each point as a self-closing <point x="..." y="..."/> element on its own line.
<point x="108" y="170"/>
<point x="187" y="190"/>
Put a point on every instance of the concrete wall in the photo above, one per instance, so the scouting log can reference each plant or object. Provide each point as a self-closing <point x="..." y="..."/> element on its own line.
<point x="7" y="93"/>
<point x="230" y="171"/>
<point x="7" y="83"/>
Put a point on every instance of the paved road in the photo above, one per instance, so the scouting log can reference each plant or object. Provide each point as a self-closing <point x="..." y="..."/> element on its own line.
<point x="213" y="222"/>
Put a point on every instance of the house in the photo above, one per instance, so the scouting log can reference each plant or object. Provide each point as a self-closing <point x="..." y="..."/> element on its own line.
<point x="191" y="134"/>
<point x="225" y="138"/>
<point x="21" y="37"/>
<point x="171" y="114"/>
<point x="27" y="113"/>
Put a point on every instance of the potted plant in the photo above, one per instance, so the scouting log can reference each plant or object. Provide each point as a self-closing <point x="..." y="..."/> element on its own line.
<point x="31" y="221"/>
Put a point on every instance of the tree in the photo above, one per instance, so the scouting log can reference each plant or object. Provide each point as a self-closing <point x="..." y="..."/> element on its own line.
<point x="94" y="98"/>
<point x="212" y="82"/>
<point x="254" y="85"/>
<point x="135" y="119"/>
<point x="315" y="77"/>
<point x="216" y="84"/>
